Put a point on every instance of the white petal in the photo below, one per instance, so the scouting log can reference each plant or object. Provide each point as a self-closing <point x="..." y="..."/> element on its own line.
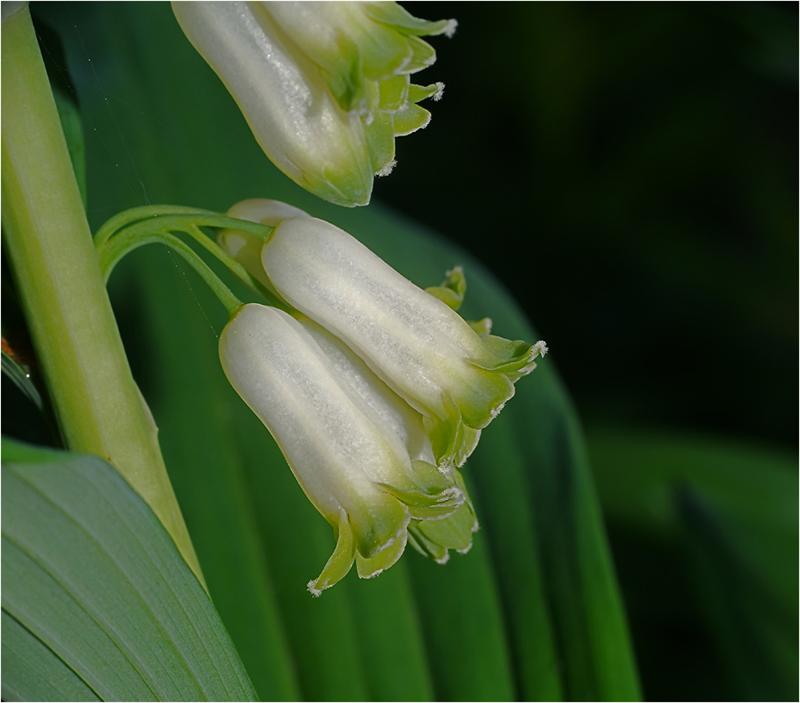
<point x="334" y="449"/>
<point x="393" y="413"/>
<point x="283" y="97"/>
<point x="265" y="211"/>
<point x="413" y="341"/>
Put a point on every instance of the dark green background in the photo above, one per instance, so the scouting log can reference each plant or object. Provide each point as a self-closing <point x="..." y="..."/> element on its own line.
<point x="629" y="171"/>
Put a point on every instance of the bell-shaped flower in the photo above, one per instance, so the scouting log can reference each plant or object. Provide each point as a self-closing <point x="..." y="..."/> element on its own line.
<point x="432" y="533"/>
<point x="453" y="373"/>
<point x="358" y="451"/>
<point x="324" y="86"/>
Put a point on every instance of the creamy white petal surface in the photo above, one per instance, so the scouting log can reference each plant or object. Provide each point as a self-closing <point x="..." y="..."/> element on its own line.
<point x="292" y="115"/>
<point x="343" y="435"/>
<point x="405" y="425"/>
<point x="420" y="347"/>
<point x="246" y="248"/>
<point x="409" y="336"/>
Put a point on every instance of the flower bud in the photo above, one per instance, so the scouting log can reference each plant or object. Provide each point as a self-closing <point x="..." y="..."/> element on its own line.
<point x="324" y="86"/>
<point x="358" y="451"/>
<point x="246" y="248"/>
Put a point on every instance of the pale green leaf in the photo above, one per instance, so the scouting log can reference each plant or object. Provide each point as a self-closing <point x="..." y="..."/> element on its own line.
<point x="101" y="602"/>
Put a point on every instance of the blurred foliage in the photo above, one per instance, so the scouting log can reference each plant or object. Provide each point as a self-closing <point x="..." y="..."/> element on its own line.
<point x="638" y="162"/>
<point x="630" y="177"/>
<point x="705" y="535"/>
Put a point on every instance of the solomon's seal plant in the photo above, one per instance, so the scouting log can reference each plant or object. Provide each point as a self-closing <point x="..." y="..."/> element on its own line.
<point x="375" y="390"/>
<point x="355" y="448"/>
<point x="324" y="86"/>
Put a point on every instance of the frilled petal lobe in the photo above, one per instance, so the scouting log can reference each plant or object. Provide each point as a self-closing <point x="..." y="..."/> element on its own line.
<point x="452" y="290"/>
<point x="435" y="538"/>
<point x="348" y="452"/>
<point x="356" y="42"/>
<point x="417" y="344"/>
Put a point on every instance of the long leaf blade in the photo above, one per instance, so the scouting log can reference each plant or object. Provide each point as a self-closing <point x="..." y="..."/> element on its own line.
<point x="90" y="572"/>
<point x="38" y="673"/>
<point x="21" y="379"/>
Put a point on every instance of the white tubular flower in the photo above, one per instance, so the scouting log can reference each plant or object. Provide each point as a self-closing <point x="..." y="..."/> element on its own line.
<point x="357" y="450"/>
<point x="453" y="373"/>
<point x="433" y="532"/>
<point x="413" y="341"/>
<point x="324" y="86"/>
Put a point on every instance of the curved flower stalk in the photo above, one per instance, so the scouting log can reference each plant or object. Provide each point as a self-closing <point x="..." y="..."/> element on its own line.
<point x="324" y="86"/>
<point x="455" y="374"/>
<point x="358" y="451"/>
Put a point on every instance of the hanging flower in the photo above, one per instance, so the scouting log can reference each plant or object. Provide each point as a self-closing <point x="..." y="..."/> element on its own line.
<point x="440" y="531"/>
<point x="324" y="86"/>
<point x="359" y="452"/>
<point x="455" y="374"/>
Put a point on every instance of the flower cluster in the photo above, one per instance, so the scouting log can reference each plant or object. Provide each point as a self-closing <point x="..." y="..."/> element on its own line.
<point x="324" y="86"/>
<point x="375" y="390"/>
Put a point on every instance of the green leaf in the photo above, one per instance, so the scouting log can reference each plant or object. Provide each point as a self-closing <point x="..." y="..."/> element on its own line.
<point x="753" y="488"/>
<point x="464" y="631"/>
<point x="531" y="612"/>
<point x="593" y="650"/>
<point x="509" y="525"/>
<point x="99" y="602"/>
<point x="21" y="379"/>
<point x="749" y="624"/>
<point x="197" y="414"/>
<point x="37" y="673"/>
<point x="726" y="513"/>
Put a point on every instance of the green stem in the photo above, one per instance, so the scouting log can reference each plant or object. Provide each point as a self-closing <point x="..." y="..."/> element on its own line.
<point x="136" y="214"/>
<point x="235" y="267"/>
<point x="176" y="217"/>
<point x="131" y="229"/>
<point x="97" y="402"/>
<point x="125" y="243"/>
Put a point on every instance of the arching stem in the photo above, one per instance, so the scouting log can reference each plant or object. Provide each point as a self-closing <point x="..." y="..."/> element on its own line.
<point x="125" y="243"/>
<point x="129" y="230"/>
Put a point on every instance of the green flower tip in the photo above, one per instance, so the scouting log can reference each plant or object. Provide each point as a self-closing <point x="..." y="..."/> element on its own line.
<point x="325" y="87"/>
